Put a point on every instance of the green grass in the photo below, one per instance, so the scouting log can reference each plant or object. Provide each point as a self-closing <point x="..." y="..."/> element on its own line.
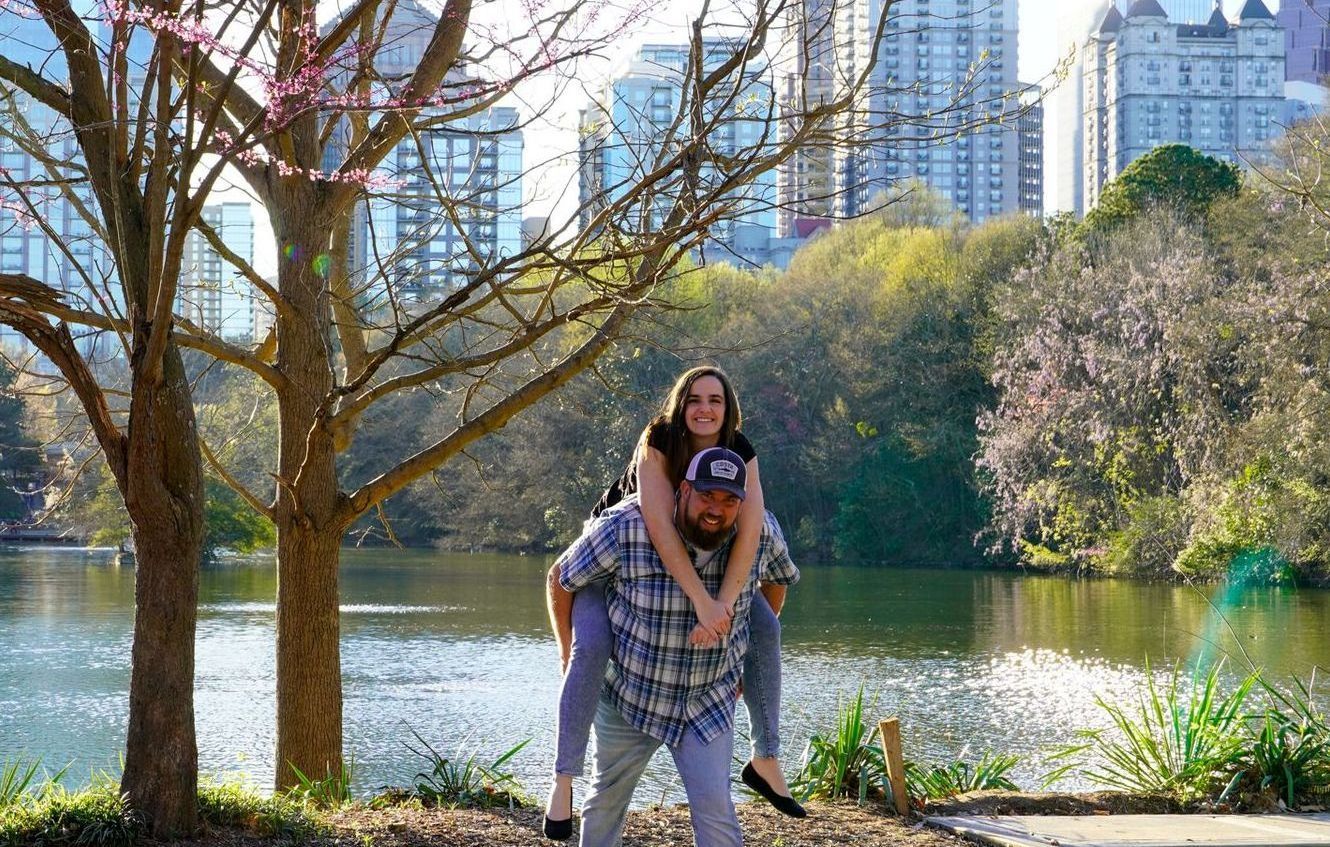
<point x="331" y="792"/>
<point x="50" y="814"/>
<point x="235" y="806"/>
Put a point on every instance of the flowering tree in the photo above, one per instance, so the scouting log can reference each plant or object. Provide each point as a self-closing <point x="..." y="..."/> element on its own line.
<point x="326" y="118"/>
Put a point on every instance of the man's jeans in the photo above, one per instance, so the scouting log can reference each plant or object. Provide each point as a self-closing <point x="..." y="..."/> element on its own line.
<point x="622" y="754"/>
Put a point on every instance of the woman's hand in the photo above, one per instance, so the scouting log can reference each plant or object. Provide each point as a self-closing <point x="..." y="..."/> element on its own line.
<point x="713" y="623"/>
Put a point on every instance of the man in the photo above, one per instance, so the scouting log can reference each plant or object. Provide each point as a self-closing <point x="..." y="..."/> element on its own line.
<point x="659" y="689"/>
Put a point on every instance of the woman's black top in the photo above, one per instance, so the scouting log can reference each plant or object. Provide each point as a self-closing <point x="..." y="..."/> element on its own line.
<point x="659" y="437"/>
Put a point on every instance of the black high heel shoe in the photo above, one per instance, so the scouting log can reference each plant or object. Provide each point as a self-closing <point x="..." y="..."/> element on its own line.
<point x="560" y="830"/>
<point x="787" y="805"/>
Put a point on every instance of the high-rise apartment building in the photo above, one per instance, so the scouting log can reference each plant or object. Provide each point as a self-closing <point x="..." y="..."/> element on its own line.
<point x="49" y="240"/>
<point x="212" y="295"/>
<point x="453" y="198"/>
<point x="1064" y="105"/>
<point x="950" y="62"/>
<point x="622" y="134"/>
<point x="1217" y="86"/>
<point x="1306" y="39"/>
<point x="1030" y="133"/>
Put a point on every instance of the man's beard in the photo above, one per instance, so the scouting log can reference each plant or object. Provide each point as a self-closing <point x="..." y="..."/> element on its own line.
<point x="705" y="539"/>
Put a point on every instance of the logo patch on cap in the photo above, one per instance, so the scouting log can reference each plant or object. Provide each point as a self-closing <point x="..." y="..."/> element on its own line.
<point x="724" y="469"/>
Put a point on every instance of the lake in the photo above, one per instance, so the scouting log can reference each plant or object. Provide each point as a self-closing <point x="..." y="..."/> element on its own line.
<point x="457" y="649"/>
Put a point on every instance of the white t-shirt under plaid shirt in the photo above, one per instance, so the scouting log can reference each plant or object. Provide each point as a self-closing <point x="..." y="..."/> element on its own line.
<point x="659" y="682"/>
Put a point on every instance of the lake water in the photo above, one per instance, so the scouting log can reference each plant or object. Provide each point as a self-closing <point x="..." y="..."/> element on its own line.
<point x="456" y="648"/>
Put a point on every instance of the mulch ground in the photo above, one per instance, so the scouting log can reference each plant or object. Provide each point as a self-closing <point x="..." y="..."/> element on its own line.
<point x="827" y="824"/>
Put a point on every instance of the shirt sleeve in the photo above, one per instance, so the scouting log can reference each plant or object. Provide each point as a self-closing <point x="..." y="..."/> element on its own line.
<point x="776" y="565"/>
<point x="593" y="556"/>
<point x="744" y="447"/>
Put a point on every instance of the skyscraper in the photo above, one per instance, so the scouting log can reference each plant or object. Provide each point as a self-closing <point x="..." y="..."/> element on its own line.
<point x="950" y="62"/>
<point x="42" y="232"/>
<point x="624" y="127"/>
<point x="1306" y="39"/>
<point x="1030" y="131"/>
<point x="211" y="294"/>
<point x="453" y="201"/>
<point x="1217" y="86"/>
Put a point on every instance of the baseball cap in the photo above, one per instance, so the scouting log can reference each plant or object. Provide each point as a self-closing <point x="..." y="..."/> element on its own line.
<point x="716" y="468"/>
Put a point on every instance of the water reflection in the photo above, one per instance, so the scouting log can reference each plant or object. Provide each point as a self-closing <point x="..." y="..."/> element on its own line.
<point x="456" y="649"/>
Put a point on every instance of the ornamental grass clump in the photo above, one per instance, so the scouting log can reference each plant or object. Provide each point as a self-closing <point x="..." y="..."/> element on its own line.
<point x="961" y="777"/>
<point x="1187" y="739"/>
<point x="844" y="762"/>
<point x="1289" y="753"/>
<point x="463" y="781"/>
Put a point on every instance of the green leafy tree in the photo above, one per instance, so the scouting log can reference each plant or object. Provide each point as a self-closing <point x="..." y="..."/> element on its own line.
<point x="1174" y="175"/>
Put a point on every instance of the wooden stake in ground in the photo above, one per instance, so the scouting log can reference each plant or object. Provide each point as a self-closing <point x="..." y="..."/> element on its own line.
<point x="895" y="761"/>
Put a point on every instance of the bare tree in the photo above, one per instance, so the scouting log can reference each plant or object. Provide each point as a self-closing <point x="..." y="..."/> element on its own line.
<point x="314" y="119"/>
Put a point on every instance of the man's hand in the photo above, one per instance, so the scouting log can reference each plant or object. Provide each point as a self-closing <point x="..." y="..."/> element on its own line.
<point x="713" y="623"/>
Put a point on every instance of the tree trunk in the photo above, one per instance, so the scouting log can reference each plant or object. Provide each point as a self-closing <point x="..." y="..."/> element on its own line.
<point x="309" y="674"/>
<point x="163" y="489"/>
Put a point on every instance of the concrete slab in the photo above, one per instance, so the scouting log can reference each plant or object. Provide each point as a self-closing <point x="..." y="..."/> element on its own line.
<point x="1141" y="830"/>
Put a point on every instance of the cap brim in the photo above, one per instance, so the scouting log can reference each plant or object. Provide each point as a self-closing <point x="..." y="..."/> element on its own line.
<point x="736" y="490"/>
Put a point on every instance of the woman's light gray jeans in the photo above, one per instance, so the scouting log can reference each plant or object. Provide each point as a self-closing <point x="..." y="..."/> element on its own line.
<point x="591" y="653"/>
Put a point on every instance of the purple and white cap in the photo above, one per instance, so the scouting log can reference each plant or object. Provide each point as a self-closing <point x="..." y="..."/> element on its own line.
<point x="716" y="468"/>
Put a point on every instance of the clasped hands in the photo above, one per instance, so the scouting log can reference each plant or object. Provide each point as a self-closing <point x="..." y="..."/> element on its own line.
<point x="713" y="622"/>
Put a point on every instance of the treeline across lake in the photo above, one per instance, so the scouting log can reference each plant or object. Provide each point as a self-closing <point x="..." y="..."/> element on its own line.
<point x="1144" y="393"/>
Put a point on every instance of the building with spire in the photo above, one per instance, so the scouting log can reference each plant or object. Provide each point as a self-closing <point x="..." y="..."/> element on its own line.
<point x="1148" y="80"/>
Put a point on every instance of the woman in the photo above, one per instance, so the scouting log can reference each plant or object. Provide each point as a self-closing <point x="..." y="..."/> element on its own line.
<point x="701" y="411"/>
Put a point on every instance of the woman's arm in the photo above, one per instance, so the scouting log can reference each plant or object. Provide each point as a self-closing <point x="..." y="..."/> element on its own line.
<point x="559" y="601"/>
<point x="749" y="534"/>
<point x="656" y="498"/>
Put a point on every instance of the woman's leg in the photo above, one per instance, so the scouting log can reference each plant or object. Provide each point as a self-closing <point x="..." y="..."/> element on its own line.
<point x="578" y="696"/>
<point x="583" y="680"/>
<point x="762" y="678"/>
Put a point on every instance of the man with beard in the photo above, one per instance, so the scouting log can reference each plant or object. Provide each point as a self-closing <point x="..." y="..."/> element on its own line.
<point x="659" y="689"/>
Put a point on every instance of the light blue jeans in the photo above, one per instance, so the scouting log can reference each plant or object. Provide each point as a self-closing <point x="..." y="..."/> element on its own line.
<point x="622" y="754"/>
<point x="591" y="654"/>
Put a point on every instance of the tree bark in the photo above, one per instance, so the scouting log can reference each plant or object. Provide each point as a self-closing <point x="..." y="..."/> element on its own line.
<point x="163" y="489"/>
<point x="309" y="532"/>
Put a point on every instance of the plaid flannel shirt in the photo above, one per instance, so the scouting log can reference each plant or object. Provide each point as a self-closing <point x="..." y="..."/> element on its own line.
<point x="660" y="683"/>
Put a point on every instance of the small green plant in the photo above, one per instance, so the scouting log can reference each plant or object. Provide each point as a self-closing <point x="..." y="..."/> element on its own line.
<point x="233" y="805"/>
<point x="960" y="777"/>
<point x="97" y="816"/>
<point x="462" y="781"/>
<point x="1289" y="754"/>
<point x="1186" y="740"/>
<point x="844" y="762"/>
<point x="329" y="792"/>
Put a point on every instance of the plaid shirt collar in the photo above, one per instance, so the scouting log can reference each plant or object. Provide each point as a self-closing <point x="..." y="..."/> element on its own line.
<point x="660" y="683"/>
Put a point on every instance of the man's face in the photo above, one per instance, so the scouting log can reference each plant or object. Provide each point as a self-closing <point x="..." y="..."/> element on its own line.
<point x="706" y="517"/>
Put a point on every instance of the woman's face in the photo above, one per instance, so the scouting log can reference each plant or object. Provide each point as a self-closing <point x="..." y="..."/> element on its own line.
<point x="704" y="407"/>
